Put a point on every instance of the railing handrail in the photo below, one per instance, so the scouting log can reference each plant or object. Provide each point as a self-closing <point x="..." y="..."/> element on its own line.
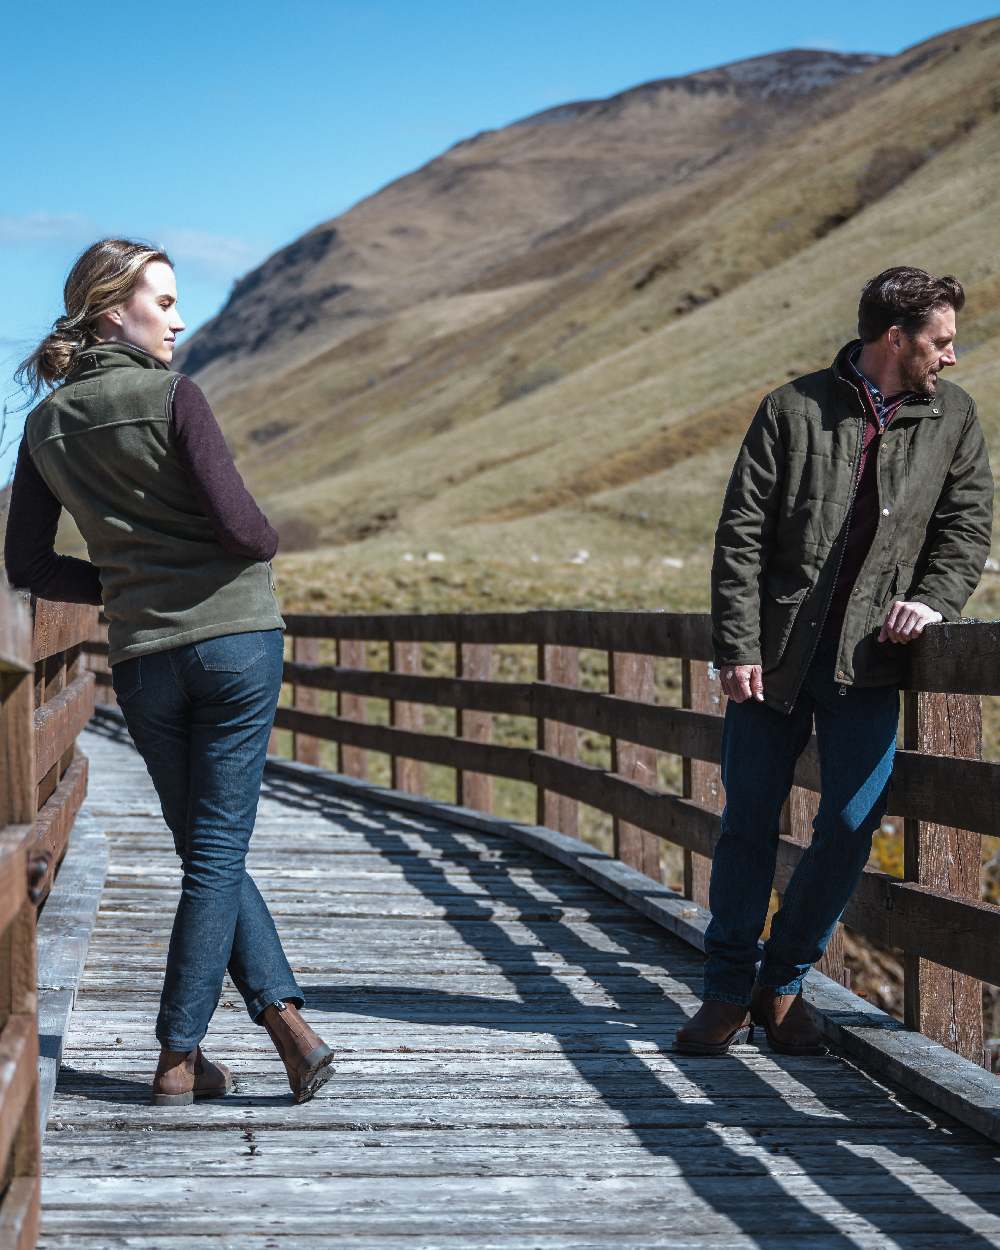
<point x="947" y="795"/>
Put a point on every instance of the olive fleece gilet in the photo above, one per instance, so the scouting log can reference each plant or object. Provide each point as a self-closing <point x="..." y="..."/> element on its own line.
<point x="101" y="442"/>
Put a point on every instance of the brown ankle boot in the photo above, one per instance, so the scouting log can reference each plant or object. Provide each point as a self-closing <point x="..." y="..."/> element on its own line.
<point x="306" y="1057"/>
<point x="184" y="1075"/>
<point x="786" y="1020"/>
<point x="713" y="1029"/>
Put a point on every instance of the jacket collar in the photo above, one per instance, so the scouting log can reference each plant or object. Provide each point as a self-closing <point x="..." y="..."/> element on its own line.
<point x="114" y="354"/>
<point x="845" y="376"/>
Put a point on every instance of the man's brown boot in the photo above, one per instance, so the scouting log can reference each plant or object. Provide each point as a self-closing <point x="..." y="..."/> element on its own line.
<point x="184" y="1075"/>
<point x="786" y="1020"/>
<point x="306" y="1057"/>
<point x="713" y="1029"/>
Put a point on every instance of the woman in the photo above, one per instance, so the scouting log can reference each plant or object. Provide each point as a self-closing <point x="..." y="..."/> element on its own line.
<point x="181" y="563"/>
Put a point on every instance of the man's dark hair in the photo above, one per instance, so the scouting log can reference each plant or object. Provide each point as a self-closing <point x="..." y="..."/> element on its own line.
<point x="904" y="297"/>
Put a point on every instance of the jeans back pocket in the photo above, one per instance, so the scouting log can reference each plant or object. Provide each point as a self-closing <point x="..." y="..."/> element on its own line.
<point x="230" y="653"/>
<point x="126" y="678"/>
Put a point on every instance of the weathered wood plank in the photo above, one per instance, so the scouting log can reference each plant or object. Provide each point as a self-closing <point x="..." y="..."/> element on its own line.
<point x="406" y="774"/>
<point x="937" y="1003"/>
<point x="752" y="1204"/>
<point x="55" y="820"/>
<point x="62" y="941"/>
<point x="59" y="626"/>
<point x="350" y="708"/>
<point x="473" y="786"/>
<point x="298" y="1152"/>
<point x="59" y="721"/>
<point x="634" y="677"/>
<point x="559" y="666"/>
<point x="304" y="747"/>
<point x="701" y="693"/>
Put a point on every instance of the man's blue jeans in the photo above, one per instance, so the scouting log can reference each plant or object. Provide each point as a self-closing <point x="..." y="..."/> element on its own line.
<point x="200" y="715"/>
<point x="856" y="736"/>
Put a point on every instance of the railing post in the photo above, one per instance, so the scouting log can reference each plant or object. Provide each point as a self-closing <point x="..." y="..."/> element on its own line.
<point x="701" y="691"/>
<point x="942" y="1004"/>
<point x="305" y="748"/>
<point x="560" y="665"/>
<point x="406" y="774"/>
<point x="351" y="760"/>
<point x="475" y="661"/>
<point x="633" y="677"/>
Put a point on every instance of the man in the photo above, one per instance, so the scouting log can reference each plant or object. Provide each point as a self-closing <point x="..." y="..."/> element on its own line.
<point x="858" y="512"/>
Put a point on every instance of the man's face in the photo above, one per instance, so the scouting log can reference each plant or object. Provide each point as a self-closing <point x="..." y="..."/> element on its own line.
<point x="922" y="358"/>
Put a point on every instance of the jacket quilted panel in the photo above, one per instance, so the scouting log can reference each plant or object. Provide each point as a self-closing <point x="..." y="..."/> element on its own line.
<point x="785" y="514"/>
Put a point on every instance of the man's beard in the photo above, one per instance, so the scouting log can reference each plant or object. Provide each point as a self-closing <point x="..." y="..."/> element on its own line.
<point x="919" y="380"/>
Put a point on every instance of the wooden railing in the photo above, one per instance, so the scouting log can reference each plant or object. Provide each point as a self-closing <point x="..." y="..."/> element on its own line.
<point x="46" y="698"/>
<point x="946" y="795"/>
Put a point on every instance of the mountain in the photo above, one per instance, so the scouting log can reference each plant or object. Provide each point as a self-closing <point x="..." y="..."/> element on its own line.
<point x="496" y="195"/>
<point x="537" y="354"/>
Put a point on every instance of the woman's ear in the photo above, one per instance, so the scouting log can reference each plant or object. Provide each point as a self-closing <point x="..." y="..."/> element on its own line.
<point x="110" y="320"/>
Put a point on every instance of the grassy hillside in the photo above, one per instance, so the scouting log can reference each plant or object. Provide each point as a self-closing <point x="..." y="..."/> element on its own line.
<point x="596" y="399"/>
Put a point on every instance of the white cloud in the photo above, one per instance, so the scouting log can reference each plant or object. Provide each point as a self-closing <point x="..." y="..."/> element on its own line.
<point x="71" y="228"/>
<point x="217" y="255"/>
<point x="214" y="253"/>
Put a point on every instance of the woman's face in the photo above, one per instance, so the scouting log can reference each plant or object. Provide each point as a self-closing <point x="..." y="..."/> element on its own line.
<point x="149" y="317"/>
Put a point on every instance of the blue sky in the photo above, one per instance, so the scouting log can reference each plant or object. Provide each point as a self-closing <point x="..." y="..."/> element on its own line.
<point x="224" y="130"/>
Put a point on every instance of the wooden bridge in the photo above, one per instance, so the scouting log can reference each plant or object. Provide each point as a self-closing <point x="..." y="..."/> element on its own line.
<point x="502" y="993"/>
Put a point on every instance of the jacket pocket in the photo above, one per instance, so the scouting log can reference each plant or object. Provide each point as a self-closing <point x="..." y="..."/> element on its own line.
<point x="896" y="587"/>
<point x="778" y="616"/>
<point x="903" y="581"/>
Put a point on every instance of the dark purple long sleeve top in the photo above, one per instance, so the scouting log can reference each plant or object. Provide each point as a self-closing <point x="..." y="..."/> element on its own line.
<point x="33" y="517"/>
<point x="863" y="521"/>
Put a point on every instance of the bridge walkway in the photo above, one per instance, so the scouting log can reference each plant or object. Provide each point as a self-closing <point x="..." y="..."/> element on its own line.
<point x="503" y="1077"/>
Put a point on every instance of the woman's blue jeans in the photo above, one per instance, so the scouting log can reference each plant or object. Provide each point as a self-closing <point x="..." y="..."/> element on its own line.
<point x="200" y="715"/>
<point x="856" y="737"/>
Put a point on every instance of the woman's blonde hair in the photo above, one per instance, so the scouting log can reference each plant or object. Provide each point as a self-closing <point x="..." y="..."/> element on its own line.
<point x="102" y="277"/>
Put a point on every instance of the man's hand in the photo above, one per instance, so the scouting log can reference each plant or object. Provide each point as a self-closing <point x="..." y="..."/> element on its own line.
<point x="906" y="620"/>
<point x="740" y="681"/>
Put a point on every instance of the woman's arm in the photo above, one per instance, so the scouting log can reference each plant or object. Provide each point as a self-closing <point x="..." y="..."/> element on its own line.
<point x="240" y="526"/>
<point x="29" y="555"/>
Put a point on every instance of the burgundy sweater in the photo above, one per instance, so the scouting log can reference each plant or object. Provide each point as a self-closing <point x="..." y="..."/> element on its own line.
<point x="879" y="411"/>
<point x="240" y="526"/>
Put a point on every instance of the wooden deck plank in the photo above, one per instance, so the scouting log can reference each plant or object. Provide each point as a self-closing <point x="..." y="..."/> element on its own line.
<point x="503" y="1078"/>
